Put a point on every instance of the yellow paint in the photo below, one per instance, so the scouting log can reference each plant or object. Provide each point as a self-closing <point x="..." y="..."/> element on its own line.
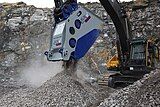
<point x="113" y="62"/>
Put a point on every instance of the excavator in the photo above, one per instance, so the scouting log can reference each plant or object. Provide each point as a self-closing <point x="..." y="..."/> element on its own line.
<point x="76" y="29"/>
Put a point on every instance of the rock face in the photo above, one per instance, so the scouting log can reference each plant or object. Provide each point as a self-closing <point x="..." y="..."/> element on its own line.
<point x="146" y="22"/>
<point x="22" y="38"/>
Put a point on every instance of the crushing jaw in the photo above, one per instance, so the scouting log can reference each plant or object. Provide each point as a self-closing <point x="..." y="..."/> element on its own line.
<point x="73" y="34"/>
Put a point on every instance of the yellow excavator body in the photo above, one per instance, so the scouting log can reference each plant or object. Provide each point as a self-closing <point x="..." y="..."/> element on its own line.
<point x="113" y="63"/>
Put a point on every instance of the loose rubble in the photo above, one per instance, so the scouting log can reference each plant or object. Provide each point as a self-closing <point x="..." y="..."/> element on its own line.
<point x="60" y="91"/>
<point x="143" y="93"/>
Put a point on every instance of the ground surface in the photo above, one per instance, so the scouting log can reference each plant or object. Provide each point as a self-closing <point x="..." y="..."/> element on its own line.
<point x="60" y="91"/>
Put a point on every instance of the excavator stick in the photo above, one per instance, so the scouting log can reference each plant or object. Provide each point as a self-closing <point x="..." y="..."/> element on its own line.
<point x="75" y="30"/>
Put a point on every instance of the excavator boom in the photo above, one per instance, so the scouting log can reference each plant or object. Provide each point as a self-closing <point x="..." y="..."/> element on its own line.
<point x="119" y="18"/>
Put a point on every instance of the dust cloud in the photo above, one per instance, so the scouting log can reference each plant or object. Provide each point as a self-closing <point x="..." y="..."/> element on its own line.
<point x="39" y="71"/>
<point x="84" y="77"/>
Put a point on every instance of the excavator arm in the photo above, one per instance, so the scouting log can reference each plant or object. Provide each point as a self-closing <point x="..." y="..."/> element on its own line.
<point x="119" y="18"/>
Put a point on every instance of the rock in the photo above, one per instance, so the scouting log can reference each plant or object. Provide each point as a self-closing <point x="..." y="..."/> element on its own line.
<point x="14" y="22"/>
<point x="145" y="21"/>
<point x="38" y="15"/>
<point x="60" y="91"/>
<point x="5" y="34"/>
<point x="9" y="60"/>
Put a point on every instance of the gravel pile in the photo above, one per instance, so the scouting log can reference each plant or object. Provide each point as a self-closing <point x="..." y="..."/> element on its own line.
<point x="60" y="91"/>
<point x="143" y="93"/>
